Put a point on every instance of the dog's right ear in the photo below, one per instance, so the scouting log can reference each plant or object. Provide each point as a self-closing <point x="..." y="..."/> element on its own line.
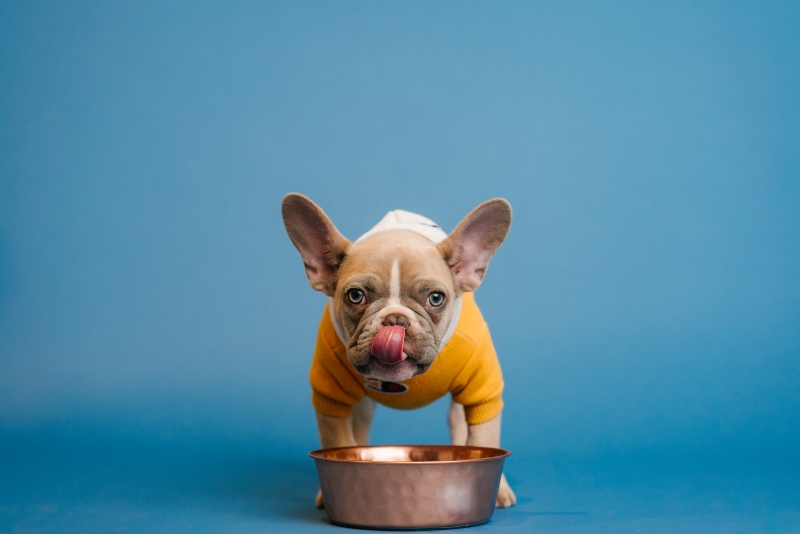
<point x="321" y="245"/>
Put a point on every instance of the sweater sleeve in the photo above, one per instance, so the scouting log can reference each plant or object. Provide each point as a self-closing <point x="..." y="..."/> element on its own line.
<point x="335" y="389"/>
<point x="479" y="385"/>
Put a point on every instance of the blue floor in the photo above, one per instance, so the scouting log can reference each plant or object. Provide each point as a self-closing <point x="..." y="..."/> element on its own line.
<point x="108" y="486"/>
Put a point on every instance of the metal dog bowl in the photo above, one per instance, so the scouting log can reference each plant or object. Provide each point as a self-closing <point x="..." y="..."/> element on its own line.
<point x="409" y="486"/>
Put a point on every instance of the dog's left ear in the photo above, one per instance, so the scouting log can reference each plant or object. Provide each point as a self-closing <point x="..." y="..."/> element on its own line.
<point x="474" y="241"/>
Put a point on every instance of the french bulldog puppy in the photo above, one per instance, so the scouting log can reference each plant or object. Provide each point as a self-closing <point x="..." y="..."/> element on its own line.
<point x="401" y="327"/>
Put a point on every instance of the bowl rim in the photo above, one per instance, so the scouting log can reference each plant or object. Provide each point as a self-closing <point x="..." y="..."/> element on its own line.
<point x="318" y="454"/>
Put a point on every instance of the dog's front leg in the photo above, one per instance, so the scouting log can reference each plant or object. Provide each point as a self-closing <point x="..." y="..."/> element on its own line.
<point x="333" y="432"/>
<point x="488" y="435"/>
<point x="362" y="420"/>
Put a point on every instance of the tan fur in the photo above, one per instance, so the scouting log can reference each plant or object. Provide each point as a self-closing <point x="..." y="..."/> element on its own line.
<point x="456" y="265"/>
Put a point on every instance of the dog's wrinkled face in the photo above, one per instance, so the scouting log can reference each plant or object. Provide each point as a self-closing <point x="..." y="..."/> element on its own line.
<point x="394" y="279"/>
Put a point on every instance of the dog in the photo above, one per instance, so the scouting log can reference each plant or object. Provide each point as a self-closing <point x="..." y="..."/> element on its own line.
<point x="401" y="327"/>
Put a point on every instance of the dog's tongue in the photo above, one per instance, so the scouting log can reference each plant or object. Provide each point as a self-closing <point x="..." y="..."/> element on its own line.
<point x="387" y="346"/>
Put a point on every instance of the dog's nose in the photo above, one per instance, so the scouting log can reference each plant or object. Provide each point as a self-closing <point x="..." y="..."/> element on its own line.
<point x="396" y="319"/>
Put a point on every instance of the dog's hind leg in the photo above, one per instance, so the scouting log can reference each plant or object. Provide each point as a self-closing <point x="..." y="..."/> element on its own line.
<point x="457" y="422"/>
<point x="362" y="420"/>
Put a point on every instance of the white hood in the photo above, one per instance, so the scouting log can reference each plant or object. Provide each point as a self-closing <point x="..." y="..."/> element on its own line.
<point x="405" y="220"/>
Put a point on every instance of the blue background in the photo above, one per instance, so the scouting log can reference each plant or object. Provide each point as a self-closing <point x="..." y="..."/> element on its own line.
<point x="156" y="326"/>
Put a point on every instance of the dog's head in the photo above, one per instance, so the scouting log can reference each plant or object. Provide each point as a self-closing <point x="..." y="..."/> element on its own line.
<point x="394" y="290"/>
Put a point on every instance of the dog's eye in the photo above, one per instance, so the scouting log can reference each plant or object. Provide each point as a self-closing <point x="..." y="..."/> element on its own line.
<point x="356" y="296"/>
<point x="436" y="299"/>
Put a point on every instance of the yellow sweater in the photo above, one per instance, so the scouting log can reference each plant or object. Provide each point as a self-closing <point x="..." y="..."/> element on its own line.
<point x="467" y="368"/>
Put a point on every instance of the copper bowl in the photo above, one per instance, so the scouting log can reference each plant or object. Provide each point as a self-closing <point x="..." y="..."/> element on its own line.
<point x="409" y="486"/>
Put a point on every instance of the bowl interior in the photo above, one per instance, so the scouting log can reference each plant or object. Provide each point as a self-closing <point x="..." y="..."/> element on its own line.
<point x="410" y="453"/>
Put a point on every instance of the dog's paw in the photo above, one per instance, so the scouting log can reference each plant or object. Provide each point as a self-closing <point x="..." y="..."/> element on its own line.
<point x="505" y="495"/>
<point x="318" y="500"/>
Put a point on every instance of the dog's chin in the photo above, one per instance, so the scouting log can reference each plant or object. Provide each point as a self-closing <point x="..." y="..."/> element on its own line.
<point x="392" y="373"/>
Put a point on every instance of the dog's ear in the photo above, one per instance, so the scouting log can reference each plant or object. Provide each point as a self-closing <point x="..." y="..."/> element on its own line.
<point x="469" y="248"/>
<point x="321" y="245"/>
